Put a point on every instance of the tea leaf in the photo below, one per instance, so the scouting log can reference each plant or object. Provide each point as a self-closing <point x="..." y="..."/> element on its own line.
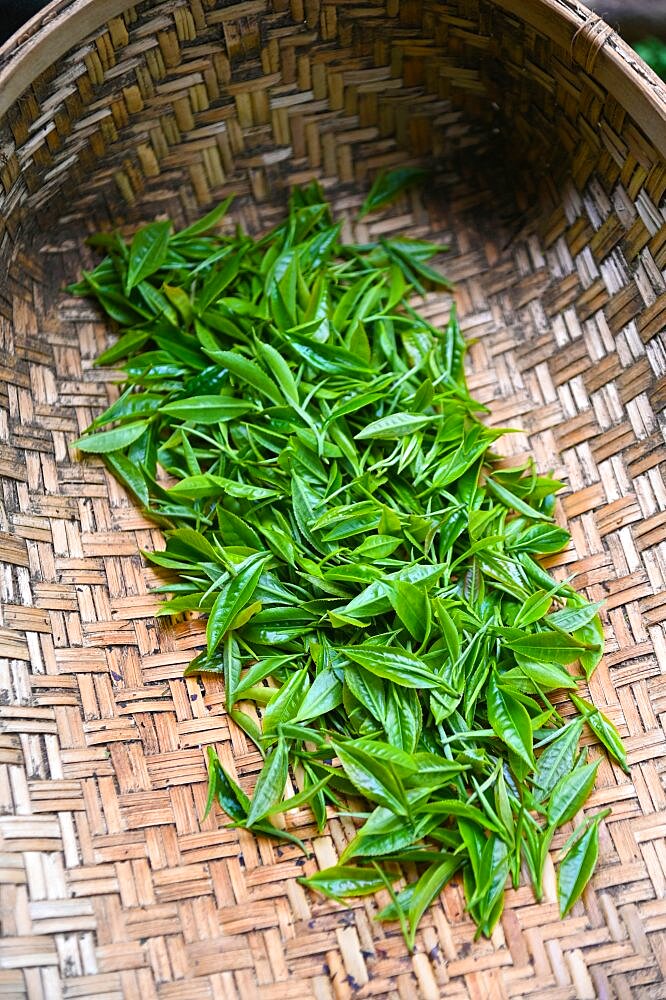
<point x="232" y="598"/>
<point x="569" y="794"/>
<point x="604" y="730"/>
<point x="114" y="440"/>
<point x="576" y="867"/>
<point x="345" y="880"/>
<point x="270" y="784"/>
<point x="388" y="185"/>
<point x="147" y="253"/>
<point x="556" y="761"/>
<point x="207" y="409"/>
<point x="510" y="720"/>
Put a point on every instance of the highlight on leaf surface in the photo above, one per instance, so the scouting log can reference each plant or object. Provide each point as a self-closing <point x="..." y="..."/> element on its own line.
<point x="367" y="567"/>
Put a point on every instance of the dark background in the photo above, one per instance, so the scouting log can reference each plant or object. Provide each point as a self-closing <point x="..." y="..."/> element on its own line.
<point x="13" y="13"/>
<point x="633" y="19"/>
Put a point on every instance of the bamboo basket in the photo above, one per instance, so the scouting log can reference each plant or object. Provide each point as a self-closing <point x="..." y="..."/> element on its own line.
<point x="548" y="139"/>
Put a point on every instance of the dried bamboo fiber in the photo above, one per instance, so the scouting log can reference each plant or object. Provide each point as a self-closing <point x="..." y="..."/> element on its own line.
<point x="548" y="136"/>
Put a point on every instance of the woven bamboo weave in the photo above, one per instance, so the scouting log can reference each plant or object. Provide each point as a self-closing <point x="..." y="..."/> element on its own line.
<point x="547" y="137"/>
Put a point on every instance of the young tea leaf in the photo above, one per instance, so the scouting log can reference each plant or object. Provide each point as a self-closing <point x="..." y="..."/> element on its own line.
<point x="577" y="865"/>
<point x="388" y="186"/>
<point x="114" y="440"/>
<point x="510" y="720"/>
<point x="345" y="880"/>
<point x="232" y="598"/>
<point x="270" y="783"/>
<point x="147" y="253"/>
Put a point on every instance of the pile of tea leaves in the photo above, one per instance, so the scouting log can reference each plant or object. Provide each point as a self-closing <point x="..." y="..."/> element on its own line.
<point x="368" y="569"/>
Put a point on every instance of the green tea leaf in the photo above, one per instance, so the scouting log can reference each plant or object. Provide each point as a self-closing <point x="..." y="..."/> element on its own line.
<point x="249" y="372"/>
<point x="218" y="280"/>
<point x="533" y="608"/>
<point x="369" y="689"/>
<point x="510" y="720"/>
<point x="345" y="880"/>
<point x="604" y="730"/>
<point x="395" y="425"/>
<point x="374" y="779"/>
<point x="128" y="474"/>
<point x="412" y="605"/>
<point x="128" y="344"/>
<point x="514" y="502"/>
<point x="388" y="186"/>
<point x="556" y="761"/>
<point x="285" y="704"/>
<point x="378" y="546"/>
<point x="569" y="794"/>
<point x="544" y="538"/>
<point x="426" y="890"/>
<point x="570" y="619"/>
<point x="530" y="675"/>
<point x="204" y="224"/>
<point x="460" y="810"/>
<point x="396" y="665"/>
<point x="403" y="718"/>
<point x="270" y="783"/>
<point x="282" y="373"/>
<point x="302" y="798"/>
<point x="592" y="635"/>
<point x="232" y="598"/>
<point x="147" y="253"/>
<point x="114" y="440"/>
<point x="224" y="789"/>
<point x="207" y="409"/>
<point x="547" y="647"/>
<point x="576" y="867"/>
<point x="324" y="695"/>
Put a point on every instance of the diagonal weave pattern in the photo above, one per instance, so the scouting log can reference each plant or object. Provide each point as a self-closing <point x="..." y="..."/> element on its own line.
<point x="552" y="200"/>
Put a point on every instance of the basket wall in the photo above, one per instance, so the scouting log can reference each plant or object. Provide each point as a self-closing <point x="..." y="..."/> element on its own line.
<point x="548" y="154"/>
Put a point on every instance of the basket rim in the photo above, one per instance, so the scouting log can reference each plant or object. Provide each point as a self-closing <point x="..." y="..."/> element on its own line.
<point x="48" y="35"/>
